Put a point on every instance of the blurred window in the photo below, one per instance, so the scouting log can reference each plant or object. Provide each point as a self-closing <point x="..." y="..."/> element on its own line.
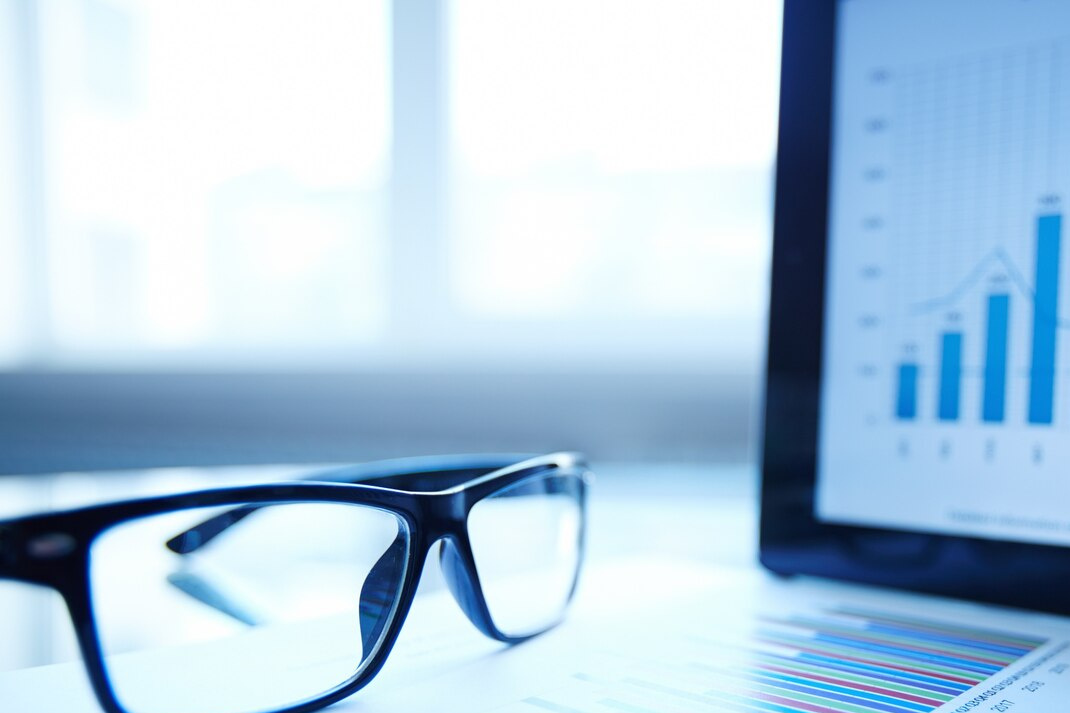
<point x="213" y="176"/>
<point x="205" y="183"/>
<point x="611" y="170"/>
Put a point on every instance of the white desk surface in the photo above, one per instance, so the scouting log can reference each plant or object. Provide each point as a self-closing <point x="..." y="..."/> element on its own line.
<point x="670" y="594"/>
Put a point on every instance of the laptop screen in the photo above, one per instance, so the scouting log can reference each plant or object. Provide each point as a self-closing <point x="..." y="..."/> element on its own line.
<point x="945" y="397"/>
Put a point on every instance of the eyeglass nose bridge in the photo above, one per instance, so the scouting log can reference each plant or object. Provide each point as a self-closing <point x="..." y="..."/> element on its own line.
<point x="449" y="515"/>
<point x="381" y="588"/>
<point x="462" y="579"/>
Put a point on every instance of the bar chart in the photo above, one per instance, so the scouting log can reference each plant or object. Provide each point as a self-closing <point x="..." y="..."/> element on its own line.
<point x="840" y="660"/>
<point x="1043" y="338"/>
<point x="850" y="661"/>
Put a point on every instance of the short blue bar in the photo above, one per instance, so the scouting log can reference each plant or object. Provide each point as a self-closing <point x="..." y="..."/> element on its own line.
<point x="1045" y="318"/>
<point x="995" y="384"/>
<point x="906" y="403"/>
<point x="950" y="376"/>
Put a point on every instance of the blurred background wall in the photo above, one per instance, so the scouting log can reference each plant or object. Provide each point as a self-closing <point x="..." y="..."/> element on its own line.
<point x="246" y="231"/>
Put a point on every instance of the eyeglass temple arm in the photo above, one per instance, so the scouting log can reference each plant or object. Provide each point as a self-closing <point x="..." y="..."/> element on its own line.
<point x="10" y="554"/>
<point x="204" y="590"/>
<point x="415" y="474"/>
<point x="376" y="595"/>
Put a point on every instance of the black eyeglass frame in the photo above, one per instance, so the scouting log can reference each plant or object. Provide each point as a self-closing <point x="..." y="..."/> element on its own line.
<point x="432" y="495"/>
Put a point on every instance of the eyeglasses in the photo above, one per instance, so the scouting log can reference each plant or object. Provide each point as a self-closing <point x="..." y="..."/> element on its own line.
<point x="288" y="597"/>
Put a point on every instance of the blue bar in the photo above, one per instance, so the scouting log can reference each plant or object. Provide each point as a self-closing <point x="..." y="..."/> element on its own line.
<point x="1045" y="316"/>
<point x="950" y="375"/>
<point x="995" y="389"/>
<point x="906" y="405"/>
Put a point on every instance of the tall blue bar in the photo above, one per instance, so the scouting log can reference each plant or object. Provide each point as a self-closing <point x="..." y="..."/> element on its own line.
<point x="906" y="404"/>
<point x="995" y="388"/>
<point x="950" y="376"/>
<point x="1045" y="316"/>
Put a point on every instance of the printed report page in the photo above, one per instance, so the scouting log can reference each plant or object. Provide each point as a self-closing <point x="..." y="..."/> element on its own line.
<point x="746" y="642"/>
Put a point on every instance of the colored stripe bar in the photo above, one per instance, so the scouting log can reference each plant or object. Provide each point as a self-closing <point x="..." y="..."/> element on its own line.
<point x="817" y="692"/>
<point x="840" y="653"/>
<point x="906" y="648"/>
<point x="751" y="701"/>
<point x="853" y="688"/>
<point x="1011" y="651"/>
<point x="995" y="384"/>
<point x="927" y="642"/>
<point x="1045" y="317"/>
<point x="800" y="695"/>
<point x="914" y="658"/>
<point x="906" y="403"/>
<point x="858" y="679"/>
<point x="937" y="660"/>
<point x="1028" y="643"/>
<point x="889" y="673"/>
<point x="950" y="375"/>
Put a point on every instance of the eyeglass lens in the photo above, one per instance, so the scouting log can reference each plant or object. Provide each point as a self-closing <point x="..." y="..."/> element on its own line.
<point x="287" y="605"/>
<point x="526" y="542"/>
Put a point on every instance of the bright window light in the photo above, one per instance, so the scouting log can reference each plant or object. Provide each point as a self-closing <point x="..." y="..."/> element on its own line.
<point x="231" y="183"/>
<point x="215" y="174"/>
<point x="612" y="159"/>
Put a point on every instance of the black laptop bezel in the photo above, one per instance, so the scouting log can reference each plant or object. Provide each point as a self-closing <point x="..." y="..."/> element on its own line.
<point x="792" y="540"/>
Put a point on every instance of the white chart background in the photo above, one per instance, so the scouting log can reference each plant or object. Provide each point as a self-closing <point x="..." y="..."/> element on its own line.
<point x="951" y="136"/>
